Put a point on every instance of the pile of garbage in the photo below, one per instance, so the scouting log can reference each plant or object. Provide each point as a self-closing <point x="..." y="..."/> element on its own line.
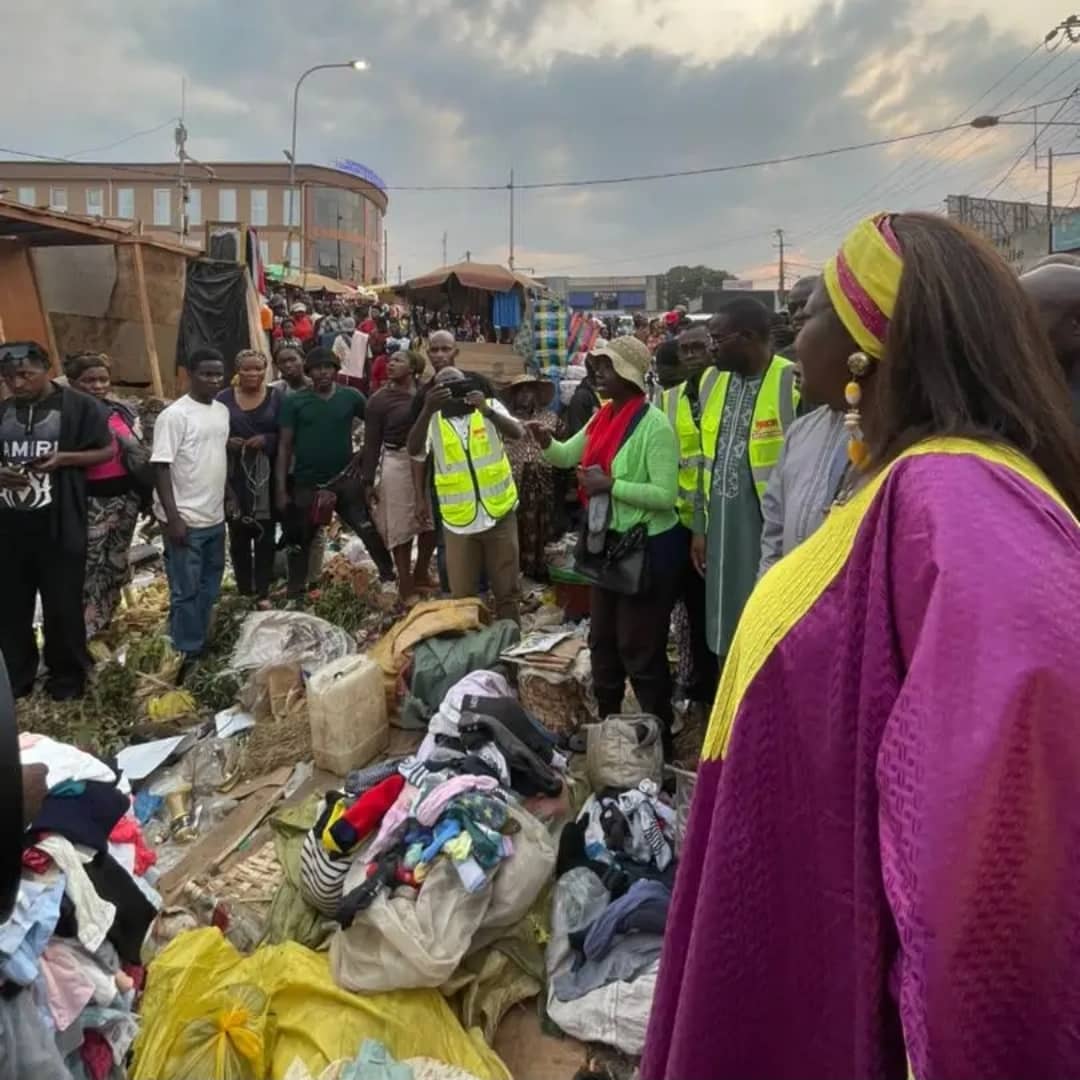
<point x="346" y="842"/>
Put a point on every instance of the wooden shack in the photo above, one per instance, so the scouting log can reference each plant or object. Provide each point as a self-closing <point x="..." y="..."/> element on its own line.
<point x="74" y="283"/>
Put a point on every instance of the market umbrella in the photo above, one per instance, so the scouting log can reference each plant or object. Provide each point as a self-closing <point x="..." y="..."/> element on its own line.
<point x="488" y="277"/>
<point x="465" y="287"/>
<point x="309" y="280"/>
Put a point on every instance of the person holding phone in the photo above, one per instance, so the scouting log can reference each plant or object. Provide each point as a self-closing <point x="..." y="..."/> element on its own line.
<point x="463" y="432"/>
<point x="49" y="436"/>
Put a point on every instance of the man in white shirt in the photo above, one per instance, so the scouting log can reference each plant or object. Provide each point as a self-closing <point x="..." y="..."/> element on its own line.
<point x="463" y="433"/>
<point x="191" y="463"/>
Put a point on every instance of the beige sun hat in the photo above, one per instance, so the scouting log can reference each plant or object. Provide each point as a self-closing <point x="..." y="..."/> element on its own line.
<point x="544" y="387"/>
<point x="629" y="357"/>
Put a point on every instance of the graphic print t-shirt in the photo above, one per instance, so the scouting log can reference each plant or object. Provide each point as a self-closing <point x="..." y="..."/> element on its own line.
<point x="27" y="433"/>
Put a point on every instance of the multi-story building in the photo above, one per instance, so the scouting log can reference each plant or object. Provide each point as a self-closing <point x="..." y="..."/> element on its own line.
<point x="338" y="211"/>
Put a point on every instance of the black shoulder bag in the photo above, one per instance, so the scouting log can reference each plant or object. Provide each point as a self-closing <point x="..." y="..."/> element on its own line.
<point x="621" y="561"/>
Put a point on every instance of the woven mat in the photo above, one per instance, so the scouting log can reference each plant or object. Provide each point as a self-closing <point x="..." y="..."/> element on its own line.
<point x="250" y="884"/>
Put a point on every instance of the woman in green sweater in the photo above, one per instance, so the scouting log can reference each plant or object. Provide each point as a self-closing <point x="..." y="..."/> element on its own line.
<point x="628" y="454"/>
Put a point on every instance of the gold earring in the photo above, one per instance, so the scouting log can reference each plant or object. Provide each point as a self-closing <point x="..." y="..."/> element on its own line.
<point x="858" y="364"/>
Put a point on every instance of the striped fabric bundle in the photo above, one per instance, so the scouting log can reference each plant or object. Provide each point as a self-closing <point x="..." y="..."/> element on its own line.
<point x="584" y="334"/>
<point x="549" y="335"/>
<point x="322" y="875"/>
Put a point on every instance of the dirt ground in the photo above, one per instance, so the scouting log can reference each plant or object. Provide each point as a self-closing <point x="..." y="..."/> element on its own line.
<point x="529" y="1054"/>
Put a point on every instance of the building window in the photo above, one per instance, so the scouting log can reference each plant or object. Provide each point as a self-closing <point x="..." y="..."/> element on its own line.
<point x="194" y="206"/>
<point x="95" y="202"/>
<point x="260" y="207"/>
<point x="290" y="206"/>
<point x="292" y="253"/>
<point x="341" y="211"/>
<point x="162" y="206"/>
<point x="125" y="203"/>
<point x="227" y="204"/>
<point x="264" y="251"/>
<point x="58" y="199"/>
<point x="28" y="196"/>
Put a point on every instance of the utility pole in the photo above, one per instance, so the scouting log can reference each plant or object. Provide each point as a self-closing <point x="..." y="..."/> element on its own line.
<point x="385" y="253"/>
<point x="781" y="283"/>
<point x="468" y="256"/>
<point x="444" y="262"/>
<point x="181" y="153"/>
<point x="511" y="259"/>
<point x="1049" y="200"/>
<point x="399" y="273"/>
<point x="339" y="220"/>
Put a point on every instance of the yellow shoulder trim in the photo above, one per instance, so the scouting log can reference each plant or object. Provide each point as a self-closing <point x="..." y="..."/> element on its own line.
<point x="788" y="591"/>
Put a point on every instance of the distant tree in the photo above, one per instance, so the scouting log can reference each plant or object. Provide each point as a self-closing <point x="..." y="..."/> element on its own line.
<point x="685" y="283"/>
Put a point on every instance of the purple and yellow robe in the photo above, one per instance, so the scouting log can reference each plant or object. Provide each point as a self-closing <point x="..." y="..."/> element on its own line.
<point x="882" y="864"/>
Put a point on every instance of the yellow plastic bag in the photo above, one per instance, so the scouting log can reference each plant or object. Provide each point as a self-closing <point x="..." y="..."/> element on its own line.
<point x="314" y="1020"/>
<point x="228" y="1043"/>
<point x="171" y="705"/>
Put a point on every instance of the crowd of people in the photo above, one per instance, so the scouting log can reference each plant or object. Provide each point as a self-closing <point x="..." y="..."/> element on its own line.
<point x="863" y="535"/>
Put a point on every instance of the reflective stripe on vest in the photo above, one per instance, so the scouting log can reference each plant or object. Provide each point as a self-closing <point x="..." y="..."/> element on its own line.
<point x="463" y="475"/>
<point x="676" y="407"/>
<point x="774" y="411"/>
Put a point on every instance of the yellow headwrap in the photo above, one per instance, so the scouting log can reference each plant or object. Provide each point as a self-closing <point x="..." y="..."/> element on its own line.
<point x="863" y="279"/>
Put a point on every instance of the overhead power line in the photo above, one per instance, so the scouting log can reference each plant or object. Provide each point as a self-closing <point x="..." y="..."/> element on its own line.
<point x="1028" y="147"/>
<point x="156" y="173"/>
<point x="126" y="139"/>
<point x="711" y="170"/>
<point x="962" y="142"/>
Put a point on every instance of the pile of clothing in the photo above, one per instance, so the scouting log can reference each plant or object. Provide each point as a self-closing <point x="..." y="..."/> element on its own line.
<point x="70" y="962"/>
<point x="616" y="869"/>
<point x="416" y="856"/>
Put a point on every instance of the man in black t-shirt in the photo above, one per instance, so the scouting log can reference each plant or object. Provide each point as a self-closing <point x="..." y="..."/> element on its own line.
<point x="49" y="435"/>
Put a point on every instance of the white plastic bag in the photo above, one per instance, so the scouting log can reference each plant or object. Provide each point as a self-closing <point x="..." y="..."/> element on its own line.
<point x="289" y="637"/>
<point x="616" y="1014"/>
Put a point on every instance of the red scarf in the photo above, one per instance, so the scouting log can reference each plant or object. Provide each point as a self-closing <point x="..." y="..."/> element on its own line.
<point x="605" y="435"/>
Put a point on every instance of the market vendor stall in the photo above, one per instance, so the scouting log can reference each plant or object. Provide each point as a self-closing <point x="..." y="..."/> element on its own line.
<point x="311" y="282"/>
<point x="486" y="290"/>
<point x="75" y="283"/>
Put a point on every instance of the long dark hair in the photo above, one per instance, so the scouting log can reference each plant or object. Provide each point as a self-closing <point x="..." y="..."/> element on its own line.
<point x="967" y="356"/>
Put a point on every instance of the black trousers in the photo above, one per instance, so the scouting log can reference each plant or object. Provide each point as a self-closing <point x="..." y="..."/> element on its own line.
<point x="300" y="533"/>
<point x="33" y="562"/>
<point x="251" y="548"/>
<point x="704" y="666"/>
<point x="628" y="635"/>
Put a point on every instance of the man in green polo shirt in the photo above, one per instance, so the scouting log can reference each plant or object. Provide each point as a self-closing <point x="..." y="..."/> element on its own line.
<point x="316" y="441"/>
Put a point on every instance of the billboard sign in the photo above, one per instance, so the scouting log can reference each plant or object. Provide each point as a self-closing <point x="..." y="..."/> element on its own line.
<point x="1067" y="231"/>
<point x="742" y="284"/>
<point x="354" y="168"/>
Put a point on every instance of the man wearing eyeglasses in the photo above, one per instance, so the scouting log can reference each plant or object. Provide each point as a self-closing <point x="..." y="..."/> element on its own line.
<point x="748" y="401"/>
<point x="49" y="435"/>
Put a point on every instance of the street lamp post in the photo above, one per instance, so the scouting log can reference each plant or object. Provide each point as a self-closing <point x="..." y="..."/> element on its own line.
<point x="981" y="123"/>
<point x="356" y="65"/>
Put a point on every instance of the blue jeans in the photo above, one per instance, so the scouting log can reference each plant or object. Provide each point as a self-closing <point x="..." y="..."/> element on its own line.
<point x="194" y="570"/>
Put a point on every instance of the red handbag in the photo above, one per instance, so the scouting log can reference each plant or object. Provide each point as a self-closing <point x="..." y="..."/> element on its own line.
<point x="322" y="507"/>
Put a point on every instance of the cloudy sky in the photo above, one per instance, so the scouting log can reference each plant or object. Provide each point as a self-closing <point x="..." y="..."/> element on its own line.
<point x="461" y="91"/>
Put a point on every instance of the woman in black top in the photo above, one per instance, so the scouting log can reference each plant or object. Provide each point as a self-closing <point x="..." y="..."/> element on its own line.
<point x="253" y="408"/>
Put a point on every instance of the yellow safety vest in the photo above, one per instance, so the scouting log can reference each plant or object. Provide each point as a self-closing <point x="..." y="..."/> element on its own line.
<point x="465" y="474"/>
<point x="676" y="406"/>
<point x="774" y="411"/>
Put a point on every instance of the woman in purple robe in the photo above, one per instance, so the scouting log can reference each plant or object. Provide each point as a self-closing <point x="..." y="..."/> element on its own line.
<point x="881" y="876"/>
